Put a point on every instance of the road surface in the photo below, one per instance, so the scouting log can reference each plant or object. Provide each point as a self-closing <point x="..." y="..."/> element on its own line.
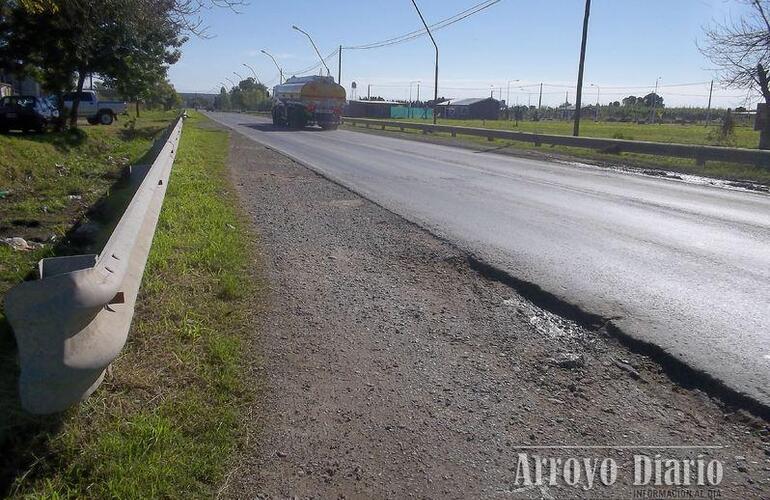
<point x="683" y="266"/>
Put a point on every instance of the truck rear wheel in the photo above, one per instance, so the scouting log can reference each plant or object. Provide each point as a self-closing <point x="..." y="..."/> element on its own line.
<point x="296" y="118"/>
<point x="105" y="118"/>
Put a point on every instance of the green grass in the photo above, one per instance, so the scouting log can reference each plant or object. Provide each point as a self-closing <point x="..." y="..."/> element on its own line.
<point x="745" y="137"/>
<point x="166" y="420"/>
<point x="686" y="134"/>
<point x="51" y="180"/>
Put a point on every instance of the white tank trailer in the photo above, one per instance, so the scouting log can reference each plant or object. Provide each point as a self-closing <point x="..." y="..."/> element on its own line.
<point x="308" y="100"/>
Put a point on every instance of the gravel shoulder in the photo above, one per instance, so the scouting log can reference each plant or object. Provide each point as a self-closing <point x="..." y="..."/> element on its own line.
<point x="391" y="369"/>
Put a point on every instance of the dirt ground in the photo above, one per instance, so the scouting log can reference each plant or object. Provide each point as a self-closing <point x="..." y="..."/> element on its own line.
<point x="392" y="369"/>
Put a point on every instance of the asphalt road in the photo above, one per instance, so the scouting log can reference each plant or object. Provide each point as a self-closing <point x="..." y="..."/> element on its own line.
<point x="680" y="265"/>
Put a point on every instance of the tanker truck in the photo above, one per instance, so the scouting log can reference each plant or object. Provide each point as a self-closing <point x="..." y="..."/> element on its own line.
<point x="308" y="100"/>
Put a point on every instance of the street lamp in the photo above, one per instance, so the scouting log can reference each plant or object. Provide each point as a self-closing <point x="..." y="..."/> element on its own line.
<point x="410" y="94"/>
<point x="280" y="70"/>
<point x="435" y="79"/>
<point x="596" y="112"/>
<point x="328" y="73"/>
<point x="233" y="83"/>
<point x="240" y="78"/>
<point x="529" y="97"/>
<point x="508" y="94"/>
<point x="253" y="72"/>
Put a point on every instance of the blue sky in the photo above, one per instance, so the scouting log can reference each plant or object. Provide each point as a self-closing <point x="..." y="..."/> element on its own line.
<point x="631" y="44"/>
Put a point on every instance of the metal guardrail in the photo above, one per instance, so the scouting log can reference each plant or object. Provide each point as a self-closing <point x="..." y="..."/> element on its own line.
<point x="700" y="154"/>
<point x="73" y="322"/>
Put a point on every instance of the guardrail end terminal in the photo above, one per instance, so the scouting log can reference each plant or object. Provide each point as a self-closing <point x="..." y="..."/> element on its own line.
<point x="66" y="333"/>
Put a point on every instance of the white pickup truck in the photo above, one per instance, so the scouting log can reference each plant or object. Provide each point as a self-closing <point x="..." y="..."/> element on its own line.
<point x="94" y="110"/>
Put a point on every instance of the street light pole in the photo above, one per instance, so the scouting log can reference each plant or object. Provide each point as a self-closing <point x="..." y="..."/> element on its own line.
<point x="231" y="82"/>
<point x="254" y="72"/>
<point x="280" y="70"/>
<point x="596" y="111"/>
<point x="410" y="95"/>
<point x="435" y="79"/>
<point x="239" y="76"/>
<point x="508" y="94"/>
<point x="576" y="128"/>
<point x="328" y="73"/>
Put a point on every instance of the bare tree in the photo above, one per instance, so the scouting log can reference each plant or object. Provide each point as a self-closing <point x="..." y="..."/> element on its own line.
<point x="740" y="48"/>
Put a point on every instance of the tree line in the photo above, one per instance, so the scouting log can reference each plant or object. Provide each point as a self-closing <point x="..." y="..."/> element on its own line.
<point x="248" y="95"/>
<point x="127" y="44"/>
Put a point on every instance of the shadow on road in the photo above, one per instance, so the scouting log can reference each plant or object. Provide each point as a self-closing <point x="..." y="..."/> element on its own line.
<point x="269" y="127"/>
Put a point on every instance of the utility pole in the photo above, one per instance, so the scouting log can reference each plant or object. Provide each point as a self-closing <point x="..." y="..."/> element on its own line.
<point x="708" y="111"/>
<point x="435" y="79"/>
<point x="654" y="101"/>
<point x="339" y="66"/>
<point x="576" y="128"/>
<point x="540" y="99"/>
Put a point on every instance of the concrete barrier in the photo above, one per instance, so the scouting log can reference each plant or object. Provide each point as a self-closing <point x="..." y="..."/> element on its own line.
<point x="73" y="321"/>
<point x="699" y="153"/>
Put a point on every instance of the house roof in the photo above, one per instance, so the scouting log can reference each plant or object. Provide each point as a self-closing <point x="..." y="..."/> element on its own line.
<point x="366" y="101"/>
<point x="468" y="102"/>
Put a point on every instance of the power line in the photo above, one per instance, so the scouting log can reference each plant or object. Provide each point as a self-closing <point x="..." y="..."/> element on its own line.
<point x="434" y="27"/>
<point x="313" y="67"/>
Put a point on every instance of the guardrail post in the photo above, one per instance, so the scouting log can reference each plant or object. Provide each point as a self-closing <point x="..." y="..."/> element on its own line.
<point x="700" y="158"/>
<point x="454" y="133"/>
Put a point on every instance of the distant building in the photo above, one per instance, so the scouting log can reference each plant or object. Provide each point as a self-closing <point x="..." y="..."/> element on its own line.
<point x="369" y="109"/>
<point x="483" y="108"/>
<point x="23" y="86"/>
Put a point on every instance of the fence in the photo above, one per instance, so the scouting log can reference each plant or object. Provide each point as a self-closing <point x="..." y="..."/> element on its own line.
<point x="73" y="321"/>
<point x="700" y="154"/>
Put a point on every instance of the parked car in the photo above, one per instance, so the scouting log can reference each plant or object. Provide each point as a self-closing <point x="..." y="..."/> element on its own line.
<point x="20" y="112"/>
<point x="95" y="110"/>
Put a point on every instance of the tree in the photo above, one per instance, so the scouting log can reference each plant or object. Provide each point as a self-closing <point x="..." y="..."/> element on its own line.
<point x="652" y="99"/>
<point x="631" y="100"/>
<point x="128" y="43"/>
<point x="163" y="95"/>
<point x="740" y="49"/>
<point x="222" y="101"/>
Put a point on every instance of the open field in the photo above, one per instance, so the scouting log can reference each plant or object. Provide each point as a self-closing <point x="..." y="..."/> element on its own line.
<point x="148" y="432"/>
<point x="745" y="137"/>
<point x="687" y="134"/>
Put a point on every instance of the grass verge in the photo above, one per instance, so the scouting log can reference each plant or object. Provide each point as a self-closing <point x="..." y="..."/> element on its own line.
<point x="687" y="134"/>
<point x="168" y="416"/>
